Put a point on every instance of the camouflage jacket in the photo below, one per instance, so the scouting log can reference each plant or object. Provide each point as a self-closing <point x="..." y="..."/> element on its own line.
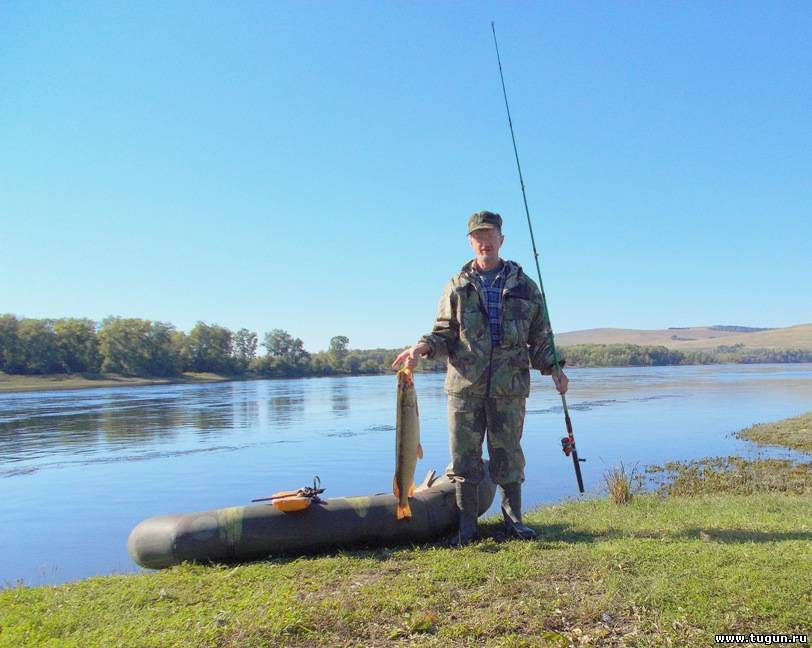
<point x="462" y="335"/>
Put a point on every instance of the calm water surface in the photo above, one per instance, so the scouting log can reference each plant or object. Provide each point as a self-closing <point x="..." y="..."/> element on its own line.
<point x="78" y="469"/>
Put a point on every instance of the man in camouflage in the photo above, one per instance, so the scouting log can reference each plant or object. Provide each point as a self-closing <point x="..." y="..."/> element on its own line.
<point x="491" y="327"/>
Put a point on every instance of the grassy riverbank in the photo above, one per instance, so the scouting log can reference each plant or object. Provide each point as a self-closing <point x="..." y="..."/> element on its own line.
<point x="654" y="572"/>
<point x="48" y="382"/>
<point x="663" y="570"/>
<point x="795" y="433"/>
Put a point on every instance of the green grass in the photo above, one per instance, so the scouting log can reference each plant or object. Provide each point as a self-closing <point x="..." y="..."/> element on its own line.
<point x="621" y="484"/>
<point x="724" y="547"/>
<point x="795" y="433"/>
<point x="655" y="572"/>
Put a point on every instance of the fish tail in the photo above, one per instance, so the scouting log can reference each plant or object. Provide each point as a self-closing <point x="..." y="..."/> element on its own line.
<point x="403" y="511"/>
<point x="405" y="377"/>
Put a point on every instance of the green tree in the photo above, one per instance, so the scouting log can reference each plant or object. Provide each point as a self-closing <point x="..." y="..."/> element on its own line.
<point x="12" y="359"/>
<point x="338" y="352"/>
<point x="137" y="347"/>
<point x="162" y="358"/>
<point x="320" y="364"/>
<point x="286" y="354"/>
<point x="123" y="345"/>
<point x="245" y="348"/>
<point x="210" y="348"/>
<point x="180" y="350"/>
<point x="369" y="366"/>
<point x="39" y="345"/>
<point x="353" y="363"/>
<point x="260" y="365"/>
<point x="78" y="345"/>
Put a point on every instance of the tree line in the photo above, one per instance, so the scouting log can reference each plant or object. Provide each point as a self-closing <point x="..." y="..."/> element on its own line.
<point x="145" y="348"/>
<point x="632" y="355"/>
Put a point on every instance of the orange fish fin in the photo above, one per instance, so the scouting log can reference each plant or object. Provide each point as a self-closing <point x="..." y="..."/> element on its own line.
<point x="403" y="511"/>
<point x="411" y="490"/>
<point x="419" y="451"/>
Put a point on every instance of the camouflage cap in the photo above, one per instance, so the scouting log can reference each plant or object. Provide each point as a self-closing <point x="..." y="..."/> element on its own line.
<point x="484" y="220"/>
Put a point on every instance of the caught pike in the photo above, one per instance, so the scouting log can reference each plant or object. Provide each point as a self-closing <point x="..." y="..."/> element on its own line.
<point x="407" y="443"/>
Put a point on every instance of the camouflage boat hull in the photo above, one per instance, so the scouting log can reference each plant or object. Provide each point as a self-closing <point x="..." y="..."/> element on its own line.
<point x="243" y="533"/>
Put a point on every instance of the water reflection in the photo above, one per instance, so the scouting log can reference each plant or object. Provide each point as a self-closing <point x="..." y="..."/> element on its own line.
<point x="86" y="422"/>
<point x="340" y="397"/>
<point x="246" y="413"/>
<point x="129" y="426"/>
<point x="208" y="421"/>
<point x="191" y="447"/>
<point x="129" y="458"/>
<point x="20" y="438"/>
<point x="286" y="403"/>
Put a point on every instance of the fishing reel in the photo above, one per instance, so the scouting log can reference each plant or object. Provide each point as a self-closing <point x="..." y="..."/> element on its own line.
<point x="568" y="446"/>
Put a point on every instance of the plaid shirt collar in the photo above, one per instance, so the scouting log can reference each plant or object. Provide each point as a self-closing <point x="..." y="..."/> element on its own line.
<point x="501" y="274"/>
<point x="491" y="295"/>
<point x="470" y="273"/>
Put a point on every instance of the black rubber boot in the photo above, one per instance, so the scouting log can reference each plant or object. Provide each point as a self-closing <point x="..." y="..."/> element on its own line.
<point x="512" y="513"/>
<point x="467" y="495"/>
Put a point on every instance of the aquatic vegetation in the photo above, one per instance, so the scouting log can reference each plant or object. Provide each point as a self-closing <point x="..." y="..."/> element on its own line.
<point x="621" y="483"/>
<point x="795" y="433"/>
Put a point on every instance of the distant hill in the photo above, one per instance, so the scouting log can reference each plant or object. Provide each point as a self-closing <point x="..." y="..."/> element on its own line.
<point x="738" y="329"/>
<point x="696" y="338"/>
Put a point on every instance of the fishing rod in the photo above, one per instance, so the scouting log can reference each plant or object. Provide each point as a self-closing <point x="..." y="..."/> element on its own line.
<point x="568" y="442"/>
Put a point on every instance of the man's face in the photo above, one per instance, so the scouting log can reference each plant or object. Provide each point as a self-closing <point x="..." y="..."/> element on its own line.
<point x="485" y="244"/>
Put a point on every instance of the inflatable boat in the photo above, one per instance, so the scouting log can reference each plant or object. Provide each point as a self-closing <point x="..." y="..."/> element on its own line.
<point x="258" y="531"/>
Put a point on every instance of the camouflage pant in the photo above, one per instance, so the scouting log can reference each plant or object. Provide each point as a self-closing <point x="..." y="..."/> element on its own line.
<point x="468" y="421"/>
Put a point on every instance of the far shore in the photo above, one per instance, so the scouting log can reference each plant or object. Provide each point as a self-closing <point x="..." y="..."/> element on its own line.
<point x="14" y="383"/>
<point x="51" y="382"/>
<point x="11" y="383"/>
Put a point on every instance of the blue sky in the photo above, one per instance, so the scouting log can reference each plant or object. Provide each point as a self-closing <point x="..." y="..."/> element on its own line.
<point x="310" y="166"/>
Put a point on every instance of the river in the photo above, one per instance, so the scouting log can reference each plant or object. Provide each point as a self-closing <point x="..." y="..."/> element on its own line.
<point x="78" y="469"/>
